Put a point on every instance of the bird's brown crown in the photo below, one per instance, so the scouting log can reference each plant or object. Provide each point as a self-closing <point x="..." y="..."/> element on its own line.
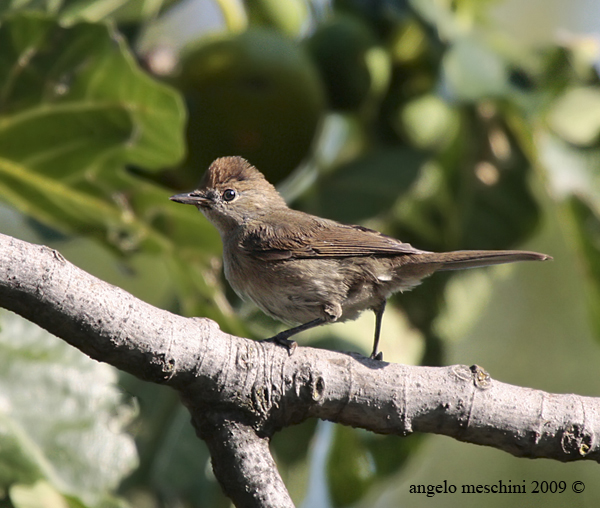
<point x="230" y="170"/>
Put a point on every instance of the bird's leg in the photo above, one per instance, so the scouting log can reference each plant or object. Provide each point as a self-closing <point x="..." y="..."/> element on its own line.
<point x="282" y="338"/>
<point x="379" y="310"/>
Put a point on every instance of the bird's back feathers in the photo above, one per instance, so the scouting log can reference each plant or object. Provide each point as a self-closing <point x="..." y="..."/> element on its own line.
<point x="313" y="237"/>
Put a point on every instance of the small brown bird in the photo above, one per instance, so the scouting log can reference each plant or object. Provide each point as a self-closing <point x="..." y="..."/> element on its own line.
<point x="299" y="268"/>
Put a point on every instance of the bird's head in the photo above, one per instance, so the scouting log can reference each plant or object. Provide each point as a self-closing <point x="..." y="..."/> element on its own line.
<point x="232" y="192"/>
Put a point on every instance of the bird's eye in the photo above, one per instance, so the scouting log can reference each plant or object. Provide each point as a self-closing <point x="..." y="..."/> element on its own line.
<point x="229" y="195"/>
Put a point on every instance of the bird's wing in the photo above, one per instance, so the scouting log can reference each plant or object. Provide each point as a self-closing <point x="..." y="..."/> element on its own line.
<point x="320" y="238"/>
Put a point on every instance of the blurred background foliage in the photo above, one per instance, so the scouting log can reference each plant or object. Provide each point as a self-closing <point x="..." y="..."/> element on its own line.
<point x="428" y="120"/>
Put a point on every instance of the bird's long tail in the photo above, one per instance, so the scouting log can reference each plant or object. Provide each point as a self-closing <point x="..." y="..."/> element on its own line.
<point x="461" y="259"/>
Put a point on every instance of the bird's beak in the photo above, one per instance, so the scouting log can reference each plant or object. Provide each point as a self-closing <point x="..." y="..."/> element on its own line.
<point x="195" y="198"/>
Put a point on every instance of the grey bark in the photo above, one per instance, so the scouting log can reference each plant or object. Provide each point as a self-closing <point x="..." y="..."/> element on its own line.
<point x="239" y="392"/>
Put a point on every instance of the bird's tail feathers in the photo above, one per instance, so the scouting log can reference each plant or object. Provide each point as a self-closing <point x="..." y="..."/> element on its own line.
<point x="462" y="259"/>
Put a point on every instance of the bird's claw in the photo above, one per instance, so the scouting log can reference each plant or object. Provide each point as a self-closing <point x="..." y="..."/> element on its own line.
<point x="290" y="345"/>
<point x="377" y="356"/>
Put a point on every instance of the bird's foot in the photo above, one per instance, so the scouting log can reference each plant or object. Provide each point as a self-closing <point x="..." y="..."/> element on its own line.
<point x="283" y="341"/>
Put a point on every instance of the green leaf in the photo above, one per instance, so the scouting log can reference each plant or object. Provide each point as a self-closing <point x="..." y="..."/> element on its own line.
<point x="473" y="71"/>
<point x="85" y="135"/>
<point x="368" y="185"/>
<point x="90" y="10"/>
<point x="570" y="170"/>
<point x="576" y="116"/>
<point x="234" y="15"/>
<point x="174" y="463"/>
<point x="288" y="16"/>
<point x="350" y="467"/>
<point x="358" y="459"/>
<point x="62" y="418"/>
<point x="291" y="444"/>
<point x="49" y="6"/>
<point x="466" y="202"/>
<point x="573" y="176"/>
<point x="120" y="10"/>
<point x="587" y="227"/>
<point x="390" y="453"/>
<point x="339" y="48"/>
<point x="254" y="94"/>
<point x="429" y="122"/>
<point x="72" y="97"/>
<point x="73" y="11"/>
<point x="75" y="110"/>
<point x="69" y="210"/>
<point x="39" y="495"/>
<point x="500" y="214"/>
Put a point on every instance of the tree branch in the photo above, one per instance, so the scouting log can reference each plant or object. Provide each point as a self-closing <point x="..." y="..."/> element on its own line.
<point x="240" y="392"/>
<point x="242" y="462"/>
